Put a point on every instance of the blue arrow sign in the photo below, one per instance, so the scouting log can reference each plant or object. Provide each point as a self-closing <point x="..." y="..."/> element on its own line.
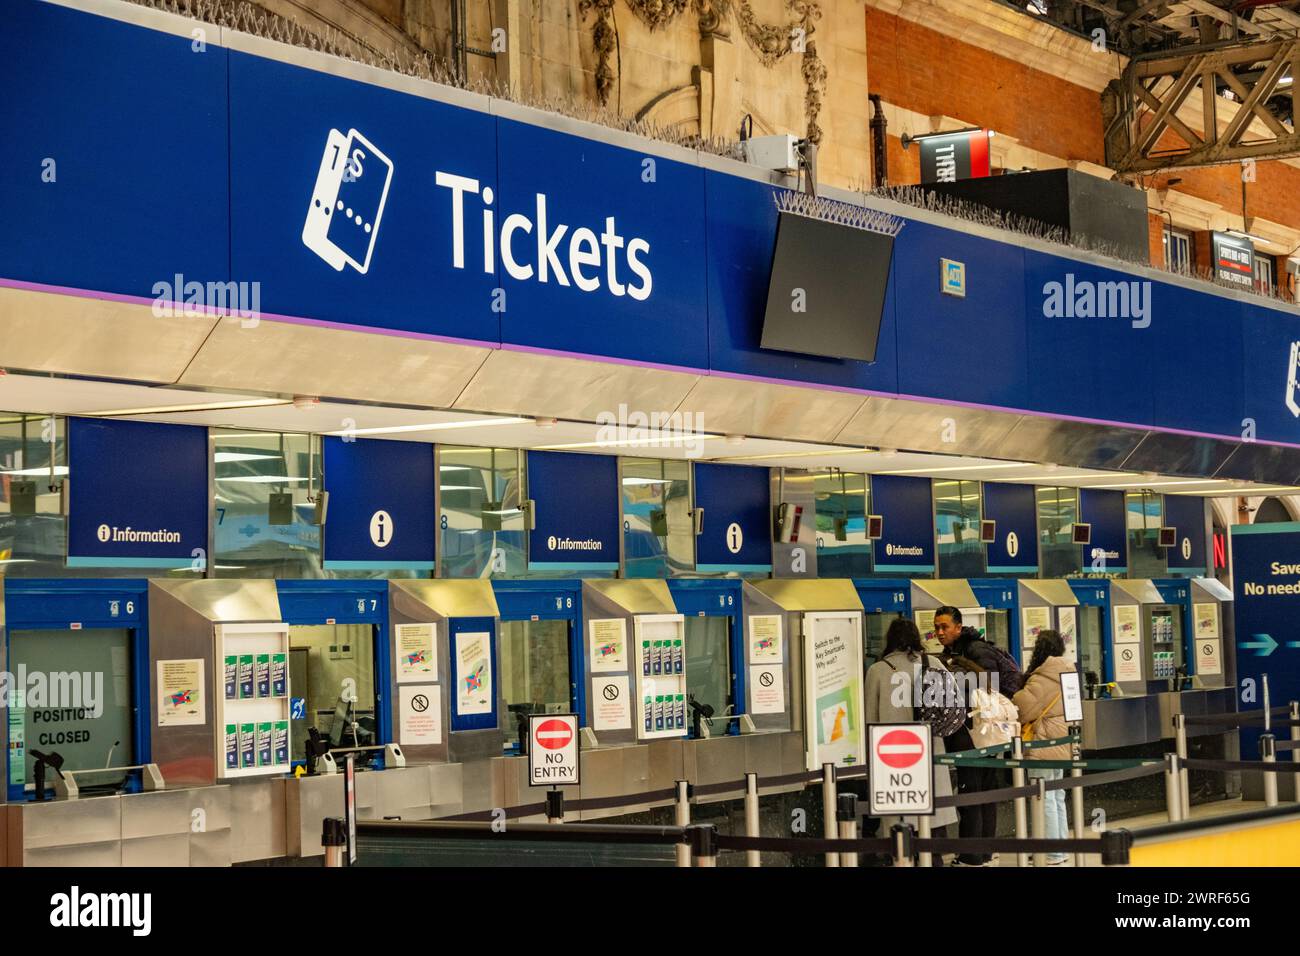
<point x="1265" y="646"/>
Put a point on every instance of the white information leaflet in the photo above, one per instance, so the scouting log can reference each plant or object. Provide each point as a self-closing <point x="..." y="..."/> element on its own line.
<point x="767" y="689"/>
<point x="611" y="707"/>
<point x="1127" y="627"/>
<point x="1068" y="622"/>
<point x="1036" y="620"/>
<point x="833" y="661"/>
<point x="1128" y="662"/>
<point x="417" y="659"/>
<point x="1206" y="617"/>
<point x="474" y="673"/>
<point x="765" y="639"/>
<point x="180" y="692"/>
<point x="608" y="645"/>
<point x="419" y="714"/>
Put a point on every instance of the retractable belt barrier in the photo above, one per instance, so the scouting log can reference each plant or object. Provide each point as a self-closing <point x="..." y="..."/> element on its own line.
<point x="1238" y="718"/>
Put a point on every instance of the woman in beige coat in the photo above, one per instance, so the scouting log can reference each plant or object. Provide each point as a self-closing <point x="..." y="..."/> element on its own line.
<point x="1042" y="706"/>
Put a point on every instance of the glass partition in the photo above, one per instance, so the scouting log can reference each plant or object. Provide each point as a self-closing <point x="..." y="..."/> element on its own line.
<point x="708" y="668"/>
<point x="481" y="494"/>
<point x="1146" y="559"/>
<point x="33" y="466"/>
<point x="843" y="550"/>
<point x="333" y="667"/>
<point x="957" y="521"/>
<point x="658" y="533"/>
<point x="1058" y="510"/>
<point x="535" y="671"/>
<point x="1090" y="645"/>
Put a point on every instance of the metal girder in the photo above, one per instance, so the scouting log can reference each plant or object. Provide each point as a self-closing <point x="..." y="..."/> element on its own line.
<point x="1141" y="107"/>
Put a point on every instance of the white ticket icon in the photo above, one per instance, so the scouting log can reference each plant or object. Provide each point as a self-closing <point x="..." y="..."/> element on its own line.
<point x="348" y="201"/>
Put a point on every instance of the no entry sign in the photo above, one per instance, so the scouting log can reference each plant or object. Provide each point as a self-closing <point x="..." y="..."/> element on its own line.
<point x="552" y="750"/>
<point x="902" y="771"/>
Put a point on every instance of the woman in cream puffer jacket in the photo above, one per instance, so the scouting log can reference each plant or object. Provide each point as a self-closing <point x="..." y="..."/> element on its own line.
<point x="1040" y="704"/>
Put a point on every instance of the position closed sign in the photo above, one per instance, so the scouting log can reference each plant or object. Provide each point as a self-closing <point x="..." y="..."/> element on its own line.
<point x="552" y="750"/>
<point x="902" y="771"/>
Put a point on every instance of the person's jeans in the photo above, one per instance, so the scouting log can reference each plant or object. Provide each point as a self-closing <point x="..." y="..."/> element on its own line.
<point x="1057" y="824"/>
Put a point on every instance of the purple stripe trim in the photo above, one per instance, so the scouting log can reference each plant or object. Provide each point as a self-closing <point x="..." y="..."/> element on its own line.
<point x="637" y="363"/>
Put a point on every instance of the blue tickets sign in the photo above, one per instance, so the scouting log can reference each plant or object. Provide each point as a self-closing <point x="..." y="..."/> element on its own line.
<point x="737" y="528"/>
<point x="1186" y="515"/>
<point x="1105" y="511"/>
<point x="1015" y="509"/>
<point x="138" y="494"/>
<point x="906" y="508"/>
<point x="381" y="504"/>
<point x="575" y="527"/>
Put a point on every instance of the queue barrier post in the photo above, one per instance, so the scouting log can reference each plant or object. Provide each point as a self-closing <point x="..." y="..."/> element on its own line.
<point x="829" y="827"/>
<point x="702" y="844"/>
<point x="752" y="857"/>
<point x="1038" y="818"/>
<point x="1018" y="780"/>
<point x="1173" y="800"/>
<point x="333" y="839"/>
<point x="904" y="843"/>
<point x="682" y="818"/>
<point x="1268" y="754"/>
<point x="1115" y="846"/>
<point x="925" y="858"/>
<point x="1076" y="801"/>
<point x="1184" y="781"/>
<point x="554" y="806"/>
<point x="847" y="817"/>
<point x="1295" y="751"/>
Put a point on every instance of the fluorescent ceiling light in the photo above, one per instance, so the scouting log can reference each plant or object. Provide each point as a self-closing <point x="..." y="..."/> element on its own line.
<point x="453" y="468"/>
<point x="60" y="471"/>
<point x="995" y="466"/>
<point x="650" y="441"/>
<point x="800" y="454"/>
<point x="261" y="479"/>
<point x="200" y="407"/>
<point x="430" y="427"/>
<point x="223" y="457"/>
<point x="460" y="488"/>
<point x="646" y="481"/>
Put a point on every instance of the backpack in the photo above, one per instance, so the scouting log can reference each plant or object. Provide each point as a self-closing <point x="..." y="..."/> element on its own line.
<point x="1010" y="679"/>
<point x="994" y="719"/>
<point x="948" y="714"/>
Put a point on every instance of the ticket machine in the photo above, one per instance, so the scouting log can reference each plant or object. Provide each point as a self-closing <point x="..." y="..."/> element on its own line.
<point x="1047" y="604"/>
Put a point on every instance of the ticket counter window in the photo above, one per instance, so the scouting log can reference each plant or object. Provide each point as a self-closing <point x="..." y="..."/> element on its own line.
<point x="33" y="463"/>
<point x="76" y="701"/>
<point x="1145" y="511"/>
<point x="336" y="665"/>
<point x="1058" y="510"/>
<point x="708" y="668"/>
<point x="535" y="674"/>
<point x="658" y="533"/>
<point x="1090" y="639"/>
<point x="875" y="627"/>
<point x="957" y="520"/>
<point x="997" y="627"/>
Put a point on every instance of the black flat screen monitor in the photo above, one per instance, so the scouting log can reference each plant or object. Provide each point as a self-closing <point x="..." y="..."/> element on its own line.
<point x="826" y="293"/>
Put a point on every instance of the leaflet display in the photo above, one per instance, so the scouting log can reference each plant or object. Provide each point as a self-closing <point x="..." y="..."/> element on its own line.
<point x="660" y="669"/>
<point x="252" y="712"/>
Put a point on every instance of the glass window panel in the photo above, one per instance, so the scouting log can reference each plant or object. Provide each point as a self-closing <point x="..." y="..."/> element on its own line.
<point x="91" y="671"/>
<point x="1146" y="559"/>
<point x="33" y="538"/>
<point x="535" y="674"/>
<point x="1058" y="510"/>
<point x="957" y="520"/>
<point x="876" y="627"/>
<point x="658" y="533"/>
<point x="1089" y="619"/>
<point x="481" y="492"/>
<point x="329" y="664"/>
<point x="843" y="550"/>
<point x="708" y="668"/>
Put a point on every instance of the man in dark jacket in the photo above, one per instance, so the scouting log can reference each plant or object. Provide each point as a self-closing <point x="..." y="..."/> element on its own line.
<point x="964" y="649"/>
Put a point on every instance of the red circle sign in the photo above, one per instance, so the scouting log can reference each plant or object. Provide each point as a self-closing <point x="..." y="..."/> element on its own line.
<point x="553" y="734"/>
<point x="900" y="749"/>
